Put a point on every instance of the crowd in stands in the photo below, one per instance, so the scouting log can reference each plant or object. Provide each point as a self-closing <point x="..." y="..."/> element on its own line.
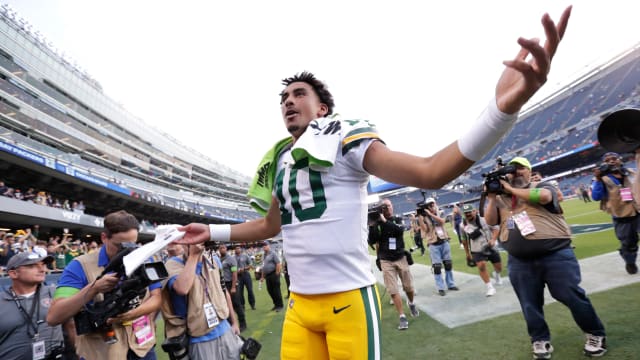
<point x="41" y="197"/>
<point x="62" y="248"/>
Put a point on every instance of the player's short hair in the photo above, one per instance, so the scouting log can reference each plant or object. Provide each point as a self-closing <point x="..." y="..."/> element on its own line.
<point x="318" y="86"/>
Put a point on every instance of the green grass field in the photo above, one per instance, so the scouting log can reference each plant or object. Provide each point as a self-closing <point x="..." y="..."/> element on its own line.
<point x="504" y="337"/>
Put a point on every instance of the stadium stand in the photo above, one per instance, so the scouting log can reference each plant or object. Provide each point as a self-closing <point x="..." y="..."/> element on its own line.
<point x="558" y="134"/>
<point x="61" y="135"/>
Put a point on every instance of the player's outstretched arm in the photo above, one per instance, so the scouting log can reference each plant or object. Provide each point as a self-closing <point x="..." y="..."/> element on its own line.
<point x="521" y="79"/>
<point x="250" y="231"/>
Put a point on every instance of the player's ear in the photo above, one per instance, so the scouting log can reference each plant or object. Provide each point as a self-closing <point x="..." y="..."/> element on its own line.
<point x="323" y="111"/>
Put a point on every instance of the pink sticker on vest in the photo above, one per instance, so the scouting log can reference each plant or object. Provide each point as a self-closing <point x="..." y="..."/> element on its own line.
<point x="142" y="329"/>
<point x="625" y="194"/>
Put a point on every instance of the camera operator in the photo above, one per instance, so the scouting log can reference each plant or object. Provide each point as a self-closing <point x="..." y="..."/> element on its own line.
<point x="388" y="238"/>
<point x="78" y="286"/>
<point x="438" y="241"/>
<point x="613" y="185"/>
<point x="481" y="239"/>
<point x="417" y="233"/>
<point x="197" y="308"/>
<point x="538" y="240"/>
<point x="24" y="334"/>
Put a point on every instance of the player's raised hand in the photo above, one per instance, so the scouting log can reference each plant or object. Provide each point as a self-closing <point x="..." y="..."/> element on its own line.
<point x="524" y="77"/>
<point x="195" y="233"/>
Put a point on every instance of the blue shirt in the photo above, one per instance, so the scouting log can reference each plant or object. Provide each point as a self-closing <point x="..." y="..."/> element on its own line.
<point x="599" y="191"/>
<point x="179" y="303"/>
<point x="74" y="276"/>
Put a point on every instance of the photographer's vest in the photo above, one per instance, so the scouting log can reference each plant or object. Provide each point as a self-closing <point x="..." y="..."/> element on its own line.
<point x="477" y="244"/>
<point x="196" y="323"/>
<point x="430" y="232"/>
<point x="92" y="346"/>
<point x="548" y="225"/>
<point x="613" y="203"/>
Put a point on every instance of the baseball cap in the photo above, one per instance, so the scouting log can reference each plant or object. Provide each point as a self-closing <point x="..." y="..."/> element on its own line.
<point x="467" y="208"/>
<point x="27" y="258"/>
<point x="8" y="235"/>
<point x="609" y="154"/>
<point x="521" y="161"/>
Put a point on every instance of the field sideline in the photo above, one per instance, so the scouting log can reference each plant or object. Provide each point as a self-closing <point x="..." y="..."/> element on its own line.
<point x="503" y="337"/>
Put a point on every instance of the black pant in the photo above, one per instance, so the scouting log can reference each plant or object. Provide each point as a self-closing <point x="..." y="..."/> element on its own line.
<point x="418" y="241"/>
<point x="273" y="287"/>
<point x="244" y="279"/>
<point x="237" y="306"/>
<point x="627" y="232"/>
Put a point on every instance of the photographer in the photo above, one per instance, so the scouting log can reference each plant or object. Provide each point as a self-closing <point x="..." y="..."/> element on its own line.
<point x="538" y="240"/>
<point x="438" y="241"/>
<point x="24" y="334"/>
<point x="389" y="243"/>
<point x="79" y="285"/>
<point x="197" y="308"/>
<point x="613" y="186"/>
<point x="481" y="239"/>
<point x="417" y="233"/>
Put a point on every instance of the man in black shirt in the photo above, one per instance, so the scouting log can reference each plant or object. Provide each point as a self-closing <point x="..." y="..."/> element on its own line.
<point x="389" y="243"/>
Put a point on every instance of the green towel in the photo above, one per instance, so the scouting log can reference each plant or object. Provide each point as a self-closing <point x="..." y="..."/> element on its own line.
<point x="262" y="184"/>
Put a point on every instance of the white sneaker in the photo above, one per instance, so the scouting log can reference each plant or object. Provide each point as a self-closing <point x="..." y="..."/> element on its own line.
<point x="497" y="278"/>
<point x="595" y="345"/>
<point x="491" y="291"/>
<point x="542" y="350"/>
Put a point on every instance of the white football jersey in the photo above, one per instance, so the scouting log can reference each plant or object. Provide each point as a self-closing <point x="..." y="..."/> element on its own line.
<point x="324" y="217"/>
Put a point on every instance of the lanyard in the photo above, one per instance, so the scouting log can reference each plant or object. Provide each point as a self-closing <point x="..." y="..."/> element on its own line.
<point x="29" y="317"/>
<point x="204" y="277"/>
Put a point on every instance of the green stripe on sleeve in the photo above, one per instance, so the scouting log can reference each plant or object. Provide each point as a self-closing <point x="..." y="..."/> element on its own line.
<point x="65" y="292"/>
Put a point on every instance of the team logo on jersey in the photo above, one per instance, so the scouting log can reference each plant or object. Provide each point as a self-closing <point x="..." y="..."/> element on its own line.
<point x="46" y="302"/>
<point x="290" y="303"/>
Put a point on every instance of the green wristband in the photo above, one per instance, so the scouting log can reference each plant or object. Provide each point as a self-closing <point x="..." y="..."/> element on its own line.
<point x="534" y="196"/>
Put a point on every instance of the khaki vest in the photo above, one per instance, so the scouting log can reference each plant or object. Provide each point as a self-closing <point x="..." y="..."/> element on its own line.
<point x="613" y="203"/>
<point x="548" y="225"/>
<point x="428" y="231"/>
<point x="196" y="323"/>
<point x="92" y="346"/>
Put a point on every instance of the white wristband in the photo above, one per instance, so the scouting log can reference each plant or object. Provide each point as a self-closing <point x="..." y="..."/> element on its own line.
<point x="221" y="233"/>
<point x="485" y="132"/>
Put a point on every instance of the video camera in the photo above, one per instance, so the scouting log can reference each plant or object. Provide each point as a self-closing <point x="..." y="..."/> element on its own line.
<point x="375" y="210"/>
<point x="606" y="169"/>
<point x="250" y="348"/>
<point x="421" y="208"/>
<point x="127" y="295"/>
<point x="492" y="179"/>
